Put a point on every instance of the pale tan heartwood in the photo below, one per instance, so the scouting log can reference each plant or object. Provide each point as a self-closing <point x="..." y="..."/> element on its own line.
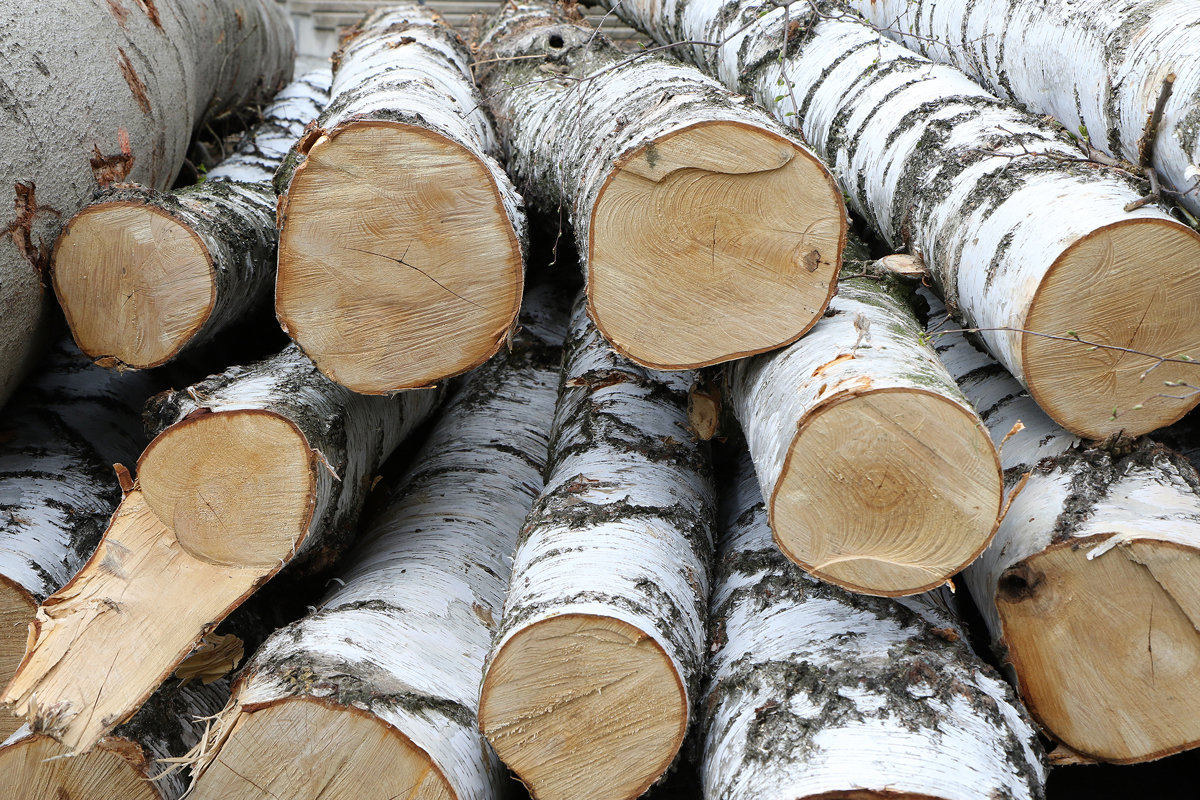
<point x="17" y="609"/>
<point x="398" y="264"/>
<point x="583" y="707"/>
<point x="33" y="769"/>
<point x="717" y="241"/>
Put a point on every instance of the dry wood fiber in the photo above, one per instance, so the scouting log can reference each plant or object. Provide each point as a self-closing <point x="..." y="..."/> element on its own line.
<point x="706" y="230"/>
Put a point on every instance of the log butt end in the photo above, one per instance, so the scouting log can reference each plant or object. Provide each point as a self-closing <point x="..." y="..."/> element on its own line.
<point x="1134" y="284"/>
<point x="302" y="749"/>
<point x="1107" y="647"/>
<point x="236" y="487"/>
<point x="888" y="492"/>
<point x="31" y="768"/>
<point x="715" y="242"/>
<point x="398" y="263"/>
<point x="17" y="609"/>
<point x="584" y="707"/>
<point x="134" y="282"/>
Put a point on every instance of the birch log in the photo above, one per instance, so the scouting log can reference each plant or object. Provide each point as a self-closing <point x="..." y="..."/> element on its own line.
<point x="706" y="230"/>
<point x="124" y="764"/>
<point x="142" y="274"/>
<point x="1090" y="589"/>
<point x="1096" y="66"/>
<point x="59" y="438"/>
<point x="257" y="468"/>
<point x="385" y="675"/>
<point x="817" y="693"/>
<point x="112" y="93"/>
<point x="879" y="473"/>
<point x="401" y="239"/>
<point x="1018" y="233"/>
<point x="587" y="690"/>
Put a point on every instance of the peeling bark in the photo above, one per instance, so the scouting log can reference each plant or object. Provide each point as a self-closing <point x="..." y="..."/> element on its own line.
<point x="1019" y="233"/>
<point x="143" y="274"/>
<point x="587" y="690"/>
<point x="706" y="230"/>
<point x="817" y="693"/>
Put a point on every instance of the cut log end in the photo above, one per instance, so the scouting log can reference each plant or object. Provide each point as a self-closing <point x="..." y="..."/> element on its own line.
<point x="583" y="707"/>
<point x="135" y="283"/>
<point x="716" y="242"/>
<point x="236" y="486"/>
<point x="304" y="749"/>
<point x="17" y="609"/>
<point x="869" y="503"/>
<point x="1083" y="632"/>
<point x="398" y="264"/>
<point x="32" y="769"/>
<point x="1134" y="285"/>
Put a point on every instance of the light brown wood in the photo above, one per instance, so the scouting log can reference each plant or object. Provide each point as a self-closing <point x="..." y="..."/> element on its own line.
<point x="931" y="480"/>
<point x="16" y="612"/>
<point x="303" y="749"/>
<point x="1108" y="649"/>
<point x="134" y="283"/>
<point x="717" y="241"/>
<point x="583" y="707"/>
<point x="1136" y="285"/>
<point x="236" y="486"/>
<point x="372" y="195"/>
<point x="74" y="682"/>
<point x="31" y="769"/>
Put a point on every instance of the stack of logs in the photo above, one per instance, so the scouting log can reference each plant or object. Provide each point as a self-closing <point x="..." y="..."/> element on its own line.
<point x="719" y="487"/>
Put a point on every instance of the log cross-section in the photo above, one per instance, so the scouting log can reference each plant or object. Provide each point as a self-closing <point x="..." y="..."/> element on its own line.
<point x="707" y="231"/>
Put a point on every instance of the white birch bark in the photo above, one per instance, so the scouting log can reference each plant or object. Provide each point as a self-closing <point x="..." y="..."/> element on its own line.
<point x="1015" y="232"/>
<point x="1095" y="64"/>
<point x="814" y="692"/>
<point x="403" y="67"/>
<point x="231" y="215"/>
<point x="405" y="633"/>
<point x="575" y="113"/>
<point x="1074" y="516"/>
<point x="622" y="531"/>
<point x="169" y="725"/>
<point x="112" y="96"/>
<point x="347" y="435"/>
<point x="900" y="496"/>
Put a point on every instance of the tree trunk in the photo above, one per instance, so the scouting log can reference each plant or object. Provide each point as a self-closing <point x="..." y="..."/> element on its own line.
<point x="1108" y="61"/>
<point x="391" y="661"/>
<point x="258" y="467"/>
<point x="1089" y="589"/>
<point x="124" y="764"/>
<point x="881" y="476"/>
<point x="401" y="240"/>
<point x="142" y="274"/>
<point x="706" y="230"/>
<point x="587" y="689"/>
<point x="61" y="435"/>
<point x="817" y="693"/>
<point x="1018" y="231"/>
<point x="111" y="94"/>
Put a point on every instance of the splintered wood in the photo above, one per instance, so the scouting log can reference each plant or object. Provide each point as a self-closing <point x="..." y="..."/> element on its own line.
<point x="706" y="230"/>
<point x="401" y="239"/>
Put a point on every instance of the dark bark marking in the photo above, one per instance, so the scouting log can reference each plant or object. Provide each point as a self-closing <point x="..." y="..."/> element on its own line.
<point x="118" y="11"/>
<point x="135" y="83"/>
<point x="151" y="11"/>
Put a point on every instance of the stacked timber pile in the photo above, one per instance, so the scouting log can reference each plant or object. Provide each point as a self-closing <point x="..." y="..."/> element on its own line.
<point x="711" y="516"/>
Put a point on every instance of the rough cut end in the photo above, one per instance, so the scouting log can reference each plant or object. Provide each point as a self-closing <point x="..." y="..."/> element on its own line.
<point x="17" y="609"/>
<point x="398" y="265"/>
<point x="1108" y="649"/>
<point x="27" y="772"/>
<point x="583" y="707"/>
<point x="887" y="492"/>
<point x="236" y="486"/>
<point x="1132" y="284"/>
<point x="135" y="283"/>
<point x="716" y="242"/>
<point x="304" y="749"/>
